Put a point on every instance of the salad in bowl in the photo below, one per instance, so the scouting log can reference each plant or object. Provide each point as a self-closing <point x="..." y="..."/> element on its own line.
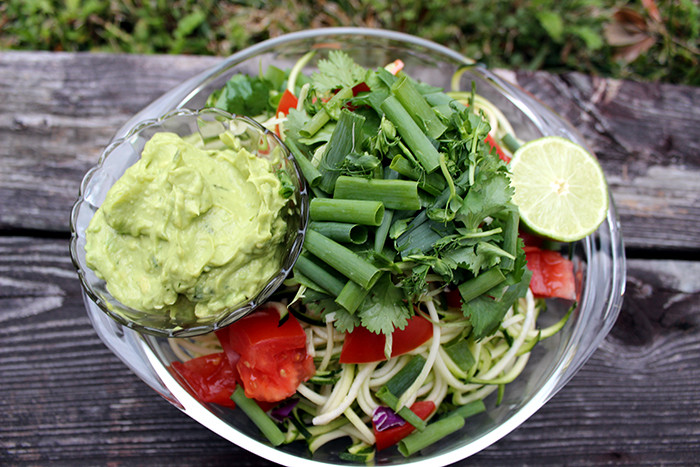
<point x="462" y="259"/>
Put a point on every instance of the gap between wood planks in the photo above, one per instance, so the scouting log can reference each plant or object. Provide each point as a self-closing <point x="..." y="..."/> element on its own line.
<point x="630" y="252"/>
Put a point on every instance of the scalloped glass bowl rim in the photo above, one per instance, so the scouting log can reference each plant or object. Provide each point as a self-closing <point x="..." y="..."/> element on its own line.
<point x="136" y="351"/>
<point x="228" y="316"/>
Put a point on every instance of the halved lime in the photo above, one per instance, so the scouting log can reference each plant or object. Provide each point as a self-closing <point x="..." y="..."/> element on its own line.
<point x="559" y="187"/>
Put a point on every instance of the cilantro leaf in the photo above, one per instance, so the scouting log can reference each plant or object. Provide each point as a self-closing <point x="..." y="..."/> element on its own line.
<point x="344" y="320"/>
<point x="486" y="313"/>
<point x="384" y="309"/>
<point x="245" y="95"/>
<point x="337" y="71"/>
<point x="486" y="199"/>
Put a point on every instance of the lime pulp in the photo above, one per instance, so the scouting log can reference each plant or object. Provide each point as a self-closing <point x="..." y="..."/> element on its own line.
<point x="560" y="188"/>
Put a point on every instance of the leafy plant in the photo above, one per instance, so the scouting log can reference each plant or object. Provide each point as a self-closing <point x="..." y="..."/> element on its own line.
<point x="637" y="39"/>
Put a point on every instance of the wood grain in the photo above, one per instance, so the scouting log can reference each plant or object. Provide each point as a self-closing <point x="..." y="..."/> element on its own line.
<point x="634" y="403"/>
<point x="58" y="110"/>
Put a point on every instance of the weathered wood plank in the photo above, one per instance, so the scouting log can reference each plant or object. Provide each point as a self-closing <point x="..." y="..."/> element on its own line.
<point x="647" y="136"/>
<point x="67" y="400"/>
<point x="58" y="110"/>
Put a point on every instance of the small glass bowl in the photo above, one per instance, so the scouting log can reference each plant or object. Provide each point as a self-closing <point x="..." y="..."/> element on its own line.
<point x="599" y="261"/>
<point x="122" y="153"/>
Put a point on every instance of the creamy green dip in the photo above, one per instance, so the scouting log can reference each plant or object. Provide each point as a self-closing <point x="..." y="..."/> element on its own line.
<point x="189" y="231"/>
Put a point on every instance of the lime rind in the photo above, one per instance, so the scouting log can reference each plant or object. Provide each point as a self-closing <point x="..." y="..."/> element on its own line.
<point x="560" y="188"/>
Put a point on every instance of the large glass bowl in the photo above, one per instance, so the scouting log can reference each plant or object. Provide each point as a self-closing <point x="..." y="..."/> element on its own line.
<point x="599" y="259"/>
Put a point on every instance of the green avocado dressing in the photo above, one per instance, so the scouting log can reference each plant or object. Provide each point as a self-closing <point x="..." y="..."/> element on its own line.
<point x="189" y="231"/>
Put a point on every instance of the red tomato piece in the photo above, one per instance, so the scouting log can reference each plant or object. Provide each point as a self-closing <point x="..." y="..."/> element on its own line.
<point x="211" y="377"/>
<point x="363" y="346"/>
<point x="494" y="145"/>
<point x="273" y="359"/>
<point x="552" y="274"/>
<point x="393" y="435"/>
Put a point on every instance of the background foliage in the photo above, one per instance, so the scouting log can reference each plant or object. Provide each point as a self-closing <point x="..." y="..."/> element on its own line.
<point x="642" y="39"/>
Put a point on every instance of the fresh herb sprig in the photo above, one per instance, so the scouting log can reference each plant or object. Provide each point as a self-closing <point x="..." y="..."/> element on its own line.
<point x="457" y="234"/>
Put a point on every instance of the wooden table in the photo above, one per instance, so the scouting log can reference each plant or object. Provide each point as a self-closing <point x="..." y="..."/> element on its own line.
<point x="65" y="399"/>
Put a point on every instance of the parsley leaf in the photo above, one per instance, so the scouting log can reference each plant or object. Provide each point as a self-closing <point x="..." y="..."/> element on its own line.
<point x="337" y="71"/>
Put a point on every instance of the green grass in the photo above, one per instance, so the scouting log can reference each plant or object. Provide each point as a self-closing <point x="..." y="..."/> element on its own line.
<point x="553" y="35"/>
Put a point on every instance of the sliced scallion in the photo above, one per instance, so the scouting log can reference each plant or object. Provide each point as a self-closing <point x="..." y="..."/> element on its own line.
<point x="349" y="211"/>
<point x="266" y="425"/>
<point x="342" y="259"/>
<point x="394" y="194"/>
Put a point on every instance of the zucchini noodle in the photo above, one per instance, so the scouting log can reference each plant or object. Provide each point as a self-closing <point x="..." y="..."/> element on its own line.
<point x="352" y="400"/>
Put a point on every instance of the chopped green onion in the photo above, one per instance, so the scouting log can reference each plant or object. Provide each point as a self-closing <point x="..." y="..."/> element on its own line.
<point x="322" y="117"/>
<point x="510" y="142"/>
<point x="349" y="211"/>
<point x="382" y="231"/>
<point x="345" y="139"/>
<point x="482" y="283"/>
<point x="343" y="260"/>
<point x="341" y="231"/>
<point x="421" y="239"/>
<point x="467" y="410"/>
<point x="432" y="433"/>
<point x="394" y="194"/>
<point x="510" y="238"/>
<point x="433" y="183"/>
<point x="352" y="296"/>
<point x="266" y="425"/>
<point x="415" y="139"/>
<point x="319" y="275"/>
<point x="311" y="173"/>
<point x="417" y="107"/>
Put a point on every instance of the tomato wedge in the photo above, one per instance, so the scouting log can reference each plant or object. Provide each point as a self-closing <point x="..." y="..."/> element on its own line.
<point x="211" y="377"/>
<point x="273" y="359"/>
<point x="393" y="435"/>
<point x="552" y="274"/>
<point x="494" y="145"/>
<point x="363" y="346"/>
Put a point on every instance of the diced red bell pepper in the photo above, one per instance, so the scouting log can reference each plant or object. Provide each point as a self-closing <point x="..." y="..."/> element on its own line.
<point x="494" y="145"/>
<point x="363" y="346"/>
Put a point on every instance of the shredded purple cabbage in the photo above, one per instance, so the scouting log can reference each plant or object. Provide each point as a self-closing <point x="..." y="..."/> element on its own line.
<point x="284" y="410"/>
<point x="385" y="418"/>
